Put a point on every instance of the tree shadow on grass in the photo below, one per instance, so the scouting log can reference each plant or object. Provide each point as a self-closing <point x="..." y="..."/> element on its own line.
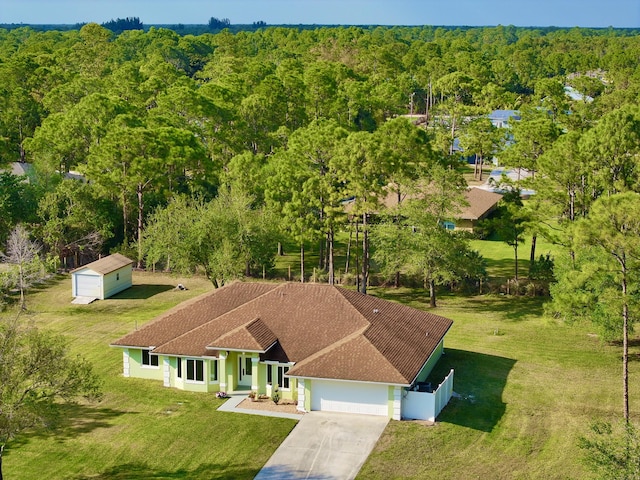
<point x="479" y="381"/>
<point x="508" y="307"/>
<point x="634" y="348"/>
<point x="70" y="421"/>
<point x="46" y="282"/>
<point x="142" y="471"/>
<point x="505" y="268"/>
<point x="633" y="343"/>
<point x="77" y="419"/>
<point x="414" y="297"/>
<point x="141" y="292"/>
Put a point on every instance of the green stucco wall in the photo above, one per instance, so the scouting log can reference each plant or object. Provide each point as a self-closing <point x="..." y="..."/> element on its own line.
<point x="431" y="362"/>
<point x="137" y="370"/>
<point x="227" y="374"/>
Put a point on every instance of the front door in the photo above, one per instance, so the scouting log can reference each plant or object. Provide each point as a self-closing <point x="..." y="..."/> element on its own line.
<point x="244" y="370"/>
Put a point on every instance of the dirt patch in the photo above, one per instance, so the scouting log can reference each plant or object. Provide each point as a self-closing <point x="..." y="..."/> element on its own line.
<point x="268" y="405"/>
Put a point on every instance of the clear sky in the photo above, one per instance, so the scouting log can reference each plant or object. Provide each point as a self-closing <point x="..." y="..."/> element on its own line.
<point x="542" y="13"/>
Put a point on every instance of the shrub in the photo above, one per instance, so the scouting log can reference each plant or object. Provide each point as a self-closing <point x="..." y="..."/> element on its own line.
<point x="542" y="269"/>
<point x="275" y="394"/>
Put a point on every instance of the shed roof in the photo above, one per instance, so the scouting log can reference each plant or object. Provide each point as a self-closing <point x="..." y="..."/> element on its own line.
<point x="107" y="264"/>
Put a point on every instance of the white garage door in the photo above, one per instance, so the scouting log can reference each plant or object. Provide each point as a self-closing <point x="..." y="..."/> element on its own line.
<point x="349" y="397"/>
<point x="88" y="286"/>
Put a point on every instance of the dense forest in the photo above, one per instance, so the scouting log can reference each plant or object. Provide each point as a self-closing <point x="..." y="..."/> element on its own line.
<point x="208" y="151"/>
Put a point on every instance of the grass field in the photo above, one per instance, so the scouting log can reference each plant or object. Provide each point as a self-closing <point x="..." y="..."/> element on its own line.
<point x="499" y="256"/>
<point x="140" y="430"/>
<point x="529" y="386"/>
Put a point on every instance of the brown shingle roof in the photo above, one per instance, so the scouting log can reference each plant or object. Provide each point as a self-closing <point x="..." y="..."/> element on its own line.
<point x="191" y="314"/>
<point x="356" y="359"/>
<point x="329" y="332"/>
<point x="481" y="202"/>
<point x="255" y="337"/>
<point x="404" y="335"/>
<point x="107" y="264"/>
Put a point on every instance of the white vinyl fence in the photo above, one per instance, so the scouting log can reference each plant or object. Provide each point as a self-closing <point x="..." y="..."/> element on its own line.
<point x="427" y="405"/>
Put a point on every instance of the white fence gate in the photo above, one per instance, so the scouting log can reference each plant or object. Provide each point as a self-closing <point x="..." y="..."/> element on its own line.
<point x="427" y="405"/>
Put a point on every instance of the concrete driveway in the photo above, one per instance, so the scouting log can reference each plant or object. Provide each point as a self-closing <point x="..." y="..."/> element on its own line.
<point x="324" y="446"/>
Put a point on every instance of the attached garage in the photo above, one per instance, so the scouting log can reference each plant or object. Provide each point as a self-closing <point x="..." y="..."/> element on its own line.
<point x="102" y="278"/>
<point x="350" y="397"/>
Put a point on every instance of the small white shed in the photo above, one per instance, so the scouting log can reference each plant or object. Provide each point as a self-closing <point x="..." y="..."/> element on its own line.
<point x="102" y="278"/>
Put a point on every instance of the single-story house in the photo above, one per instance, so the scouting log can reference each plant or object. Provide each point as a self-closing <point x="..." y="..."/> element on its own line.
<point x="480" y="204"/>
<point x="502" y="118"/>
<point x="26" y="170"/>
<point x="325" y="347"/>
<point x="21" y="169"/>
<point x="103" y="278"/>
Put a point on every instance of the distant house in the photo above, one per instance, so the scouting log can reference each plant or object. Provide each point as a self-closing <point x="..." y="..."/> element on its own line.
<point x="325" y="347"/>
<point x="23" y="170"/>
<point x="480" y="205"/>
<point x="103" y="278"/>
<point x="574" y="94"/>
<point x="502" y="118"/>
<point x="26" y="170"/>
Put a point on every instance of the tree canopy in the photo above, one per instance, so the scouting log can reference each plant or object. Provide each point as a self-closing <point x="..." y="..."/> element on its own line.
<point x="301" y="120"/>
<point x="36" y="373"/>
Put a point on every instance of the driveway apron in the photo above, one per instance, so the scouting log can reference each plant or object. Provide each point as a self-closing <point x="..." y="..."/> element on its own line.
<point x="325" y="446"/>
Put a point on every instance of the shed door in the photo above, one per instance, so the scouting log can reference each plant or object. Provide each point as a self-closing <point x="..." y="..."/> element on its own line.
<point x="350" y="397"/>
<point x="88" y="286"/>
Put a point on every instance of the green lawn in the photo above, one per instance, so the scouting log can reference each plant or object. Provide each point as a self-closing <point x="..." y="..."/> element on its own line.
<point x="529" y="386"/>
<point x="140" y="430"/>
<point x="501" y="258"/>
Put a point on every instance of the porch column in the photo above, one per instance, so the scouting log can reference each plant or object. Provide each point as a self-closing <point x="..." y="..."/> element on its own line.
<point x="397" y="403"/>
<point x="254" y="373"/>
<point x="222" y="371"/>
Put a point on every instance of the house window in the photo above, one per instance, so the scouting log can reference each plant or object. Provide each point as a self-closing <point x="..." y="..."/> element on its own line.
<point x="195" y="370"/>
<point x="149" y="360"/>
<point x="213" y="373"/>
<point x="179" y="373"/>
<point x="269" y="375"/>
<point x="117" y="276"/>
<point x="448" y="225"/>
<point x="282" y="380"/>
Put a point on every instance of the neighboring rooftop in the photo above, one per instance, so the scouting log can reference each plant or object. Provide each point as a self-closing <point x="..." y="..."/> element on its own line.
<point x="480" y="202"/>
<point x="501" y="118"/>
